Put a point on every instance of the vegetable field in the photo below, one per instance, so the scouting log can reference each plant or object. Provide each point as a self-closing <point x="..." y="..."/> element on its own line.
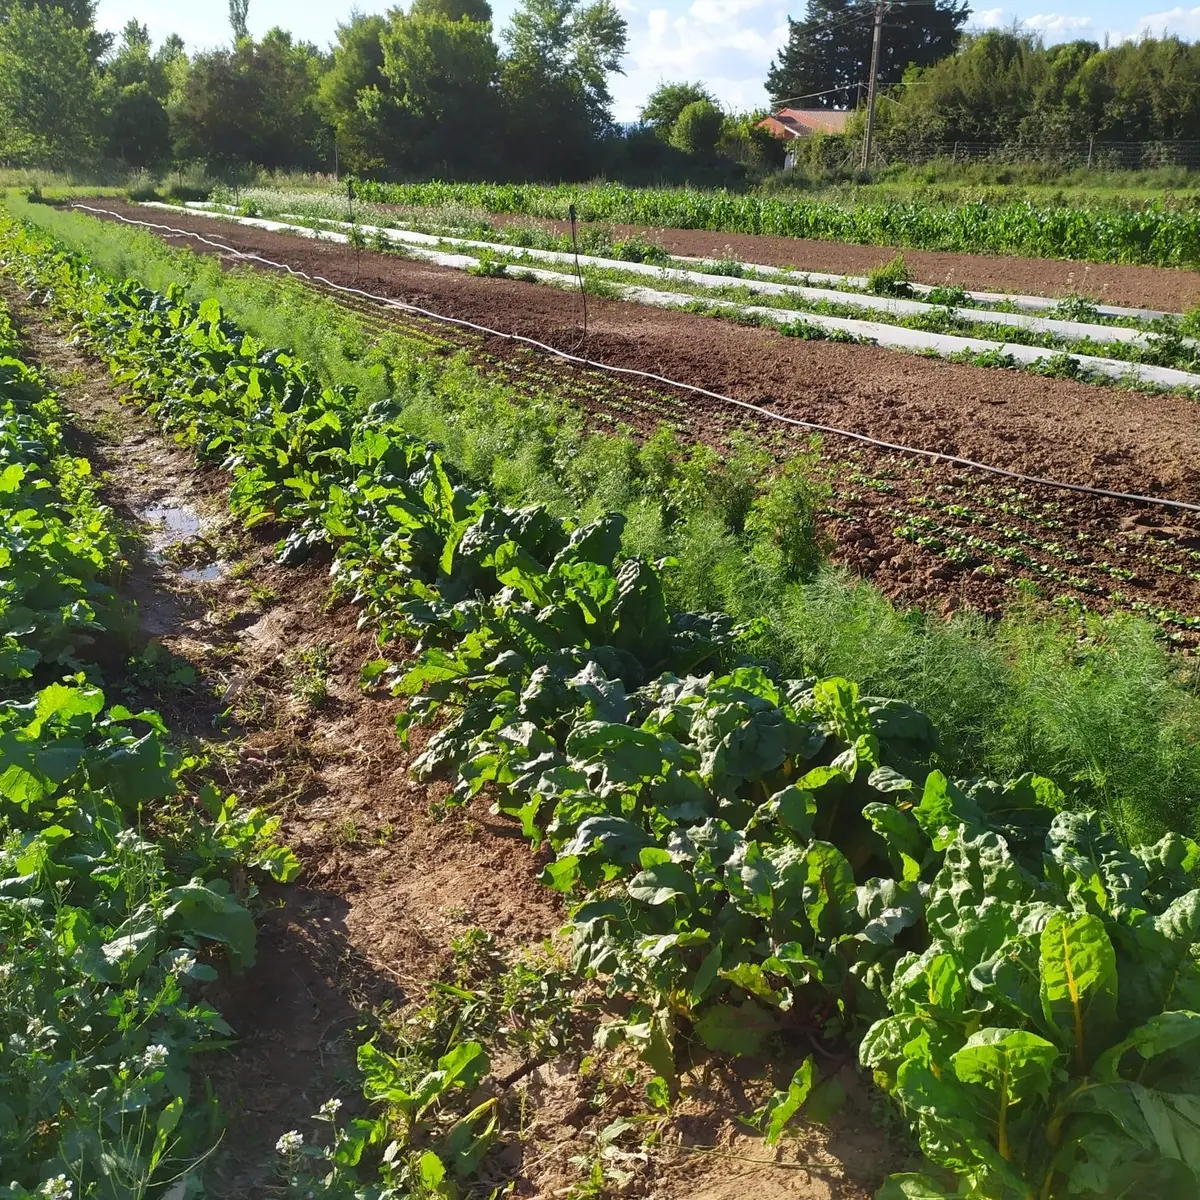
<point x="756" y="864"/>
<point x="1150" y="233"/>
<point x="115" y="901"/>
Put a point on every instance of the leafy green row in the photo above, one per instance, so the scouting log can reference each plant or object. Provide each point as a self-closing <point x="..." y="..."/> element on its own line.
<point x="56" y="539"/>
<point x="1151" y="233"/>
<point x="106" y="924"/>
<point x="748" y="857"/>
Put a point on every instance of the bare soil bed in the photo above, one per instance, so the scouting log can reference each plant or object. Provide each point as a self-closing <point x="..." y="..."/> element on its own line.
<point x="1166" y="288"/>
<point x="1080" y="433"/>
<point x="1105" y="437"/>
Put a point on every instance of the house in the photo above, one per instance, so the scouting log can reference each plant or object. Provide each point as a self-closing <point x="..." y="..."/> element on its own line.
<point x="804" y="122"/>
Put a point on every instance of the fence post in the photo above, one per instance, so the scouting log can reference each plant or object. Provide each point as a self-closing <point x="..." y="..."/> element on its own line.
<point x="1091" y="143"/>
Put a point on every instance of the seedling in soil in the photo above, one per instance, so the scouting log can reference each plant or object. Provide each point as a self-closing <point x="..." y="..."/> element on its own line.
<point x="310" y="676"/>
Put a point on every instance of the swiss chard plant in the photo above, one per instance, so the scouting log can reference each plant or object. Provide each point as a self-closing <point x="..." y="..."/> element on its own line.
<point x="1046" y="1042"/>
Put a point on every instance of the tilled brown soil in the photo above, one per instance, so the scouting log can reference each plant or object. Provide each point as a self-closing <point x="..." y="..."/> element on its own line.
<point x="1167" y="288"/>
<point x="924" y="532"/>
<point x="1108" y="437"/>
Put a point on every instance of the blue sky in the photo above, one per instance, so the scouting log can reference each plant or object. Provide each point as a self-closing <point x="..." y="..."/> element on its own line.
<point x="727" y="43"/>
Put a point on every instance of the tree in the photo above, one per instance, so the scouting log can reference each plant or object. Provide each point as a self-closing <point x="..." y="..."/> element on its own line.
<point x="80" y="13"/>
<point x="48" y="88"/>
<point x="239" y="11"/>
<point x="697" y="129"/>
<point x="253" y="104"/>
<point x="1007" y="88"/>
<point x="827" y="58"/>
<point x="554" y="83"/>
<point x="440" y="67"/>
<point x="134" y="88"/>
<point x="350" y="96"/>
<point x="668" y="100"/>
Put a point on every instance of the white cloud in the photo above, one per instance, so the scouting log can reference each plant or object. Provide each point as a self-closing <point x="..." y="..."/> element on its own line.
<point x="1060" y="27"/>
<point x="1056" y="24"/>
<point x="718" y="12"/>
<point x="1182" y="22"/>
<point x="726" y="44"/>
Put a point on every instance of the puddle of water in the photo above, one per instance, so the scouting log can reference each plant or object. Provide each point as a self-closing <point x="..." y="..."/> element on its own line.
<point x="178" y="523"/>
<point x="203" y="574"/>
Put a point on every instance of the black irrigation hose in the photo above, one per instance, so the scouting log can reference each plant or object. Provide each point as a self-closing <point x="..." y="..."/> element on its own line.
<point x="579" y="360"/>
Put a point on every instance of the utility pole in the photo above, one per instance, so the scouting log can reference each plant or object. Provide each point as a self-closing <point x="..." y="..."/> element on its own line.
<point x="880" y="5"/>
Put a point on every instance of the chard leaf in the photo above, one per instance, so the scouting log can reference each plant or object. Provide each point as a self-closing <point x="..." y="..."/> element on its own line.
<point x="1078" y="984"/>
<point x="736" y="1030"/>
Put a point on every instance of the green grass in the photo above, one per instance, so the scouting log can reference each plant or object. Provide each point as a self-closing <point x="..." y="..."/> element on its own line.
<point x="1102" y="703"/>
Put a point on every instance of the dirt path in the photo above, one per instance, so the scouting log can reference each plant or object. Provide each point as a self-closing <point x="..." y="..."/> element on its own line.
<point x="1169" y="289"/>
<point x="253" y="668"/>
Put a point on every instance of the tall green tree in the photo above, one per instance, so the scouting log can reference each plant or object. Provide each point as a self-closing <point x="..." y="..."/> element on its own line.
<point x="48" y="88"/>
<point x="351" y="95"/>
<point x="239" y="12"/>
<point x="668" y="100"/>
<point x="253" y="104"/>
<point x="554" y="82"/>
<point x="440" y="67"/>
<point x="80" y="13"/>
<point x="697" y="129"/>
<point x="134" y="87"/>
<point x="826" y="60"/>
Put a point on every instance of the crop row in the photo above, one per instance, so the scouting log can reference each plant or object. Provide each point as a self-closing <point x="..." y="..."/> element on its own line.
<point x="333" y="212"/>
<point x="1002" y="536"/>
<point x="1006" y="560"/>
<point x="746" y="857"/>
<point x="113" y="901"/>
<point x="1150" y="234"/>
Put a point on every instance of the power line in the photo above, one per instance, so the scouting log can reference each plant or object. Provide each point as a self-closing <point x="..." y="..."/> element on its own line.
<point x="634" y="372"/>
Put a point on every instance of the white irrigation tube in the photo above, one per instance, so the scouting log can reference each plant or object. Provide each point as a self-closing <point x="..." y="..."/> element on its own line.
<point x="1073" y="330"/>
<point x="634" y="372"/>
<point x="894" y="337"/>
<point x="1030" y="303"/>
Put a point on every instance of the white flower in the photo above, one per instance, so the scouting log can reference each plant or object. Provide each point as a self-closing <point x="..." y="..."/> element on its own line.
<point x="329" y="1109"/>
<point x="290" y="1142"/>
<point x="155" y="1057"/>
<point x="6" y="971"/>
<point x="58" y="1188"/>
<point x="182" y="963"/>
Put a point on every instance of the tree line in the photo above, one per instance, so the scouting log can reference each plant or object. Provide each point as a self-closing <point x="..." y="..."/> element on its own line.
<point x="434" y="90"/>
<point x="427" y="91"/>
<point x="1009" y="88"/>
<point x="1002" y="87"/>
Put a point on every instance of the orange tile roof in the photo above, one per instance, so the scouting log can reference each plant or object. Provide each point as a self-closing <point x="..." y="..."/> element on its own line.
<point x="804" y="122"/>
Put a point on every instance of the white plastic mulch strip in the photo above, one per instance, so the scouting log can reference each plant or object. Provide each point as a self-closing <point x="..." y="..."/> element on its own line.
<point x="889" y="336"/>
<point x="1029" y="303"/>
<point x="1071" y="330"/>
